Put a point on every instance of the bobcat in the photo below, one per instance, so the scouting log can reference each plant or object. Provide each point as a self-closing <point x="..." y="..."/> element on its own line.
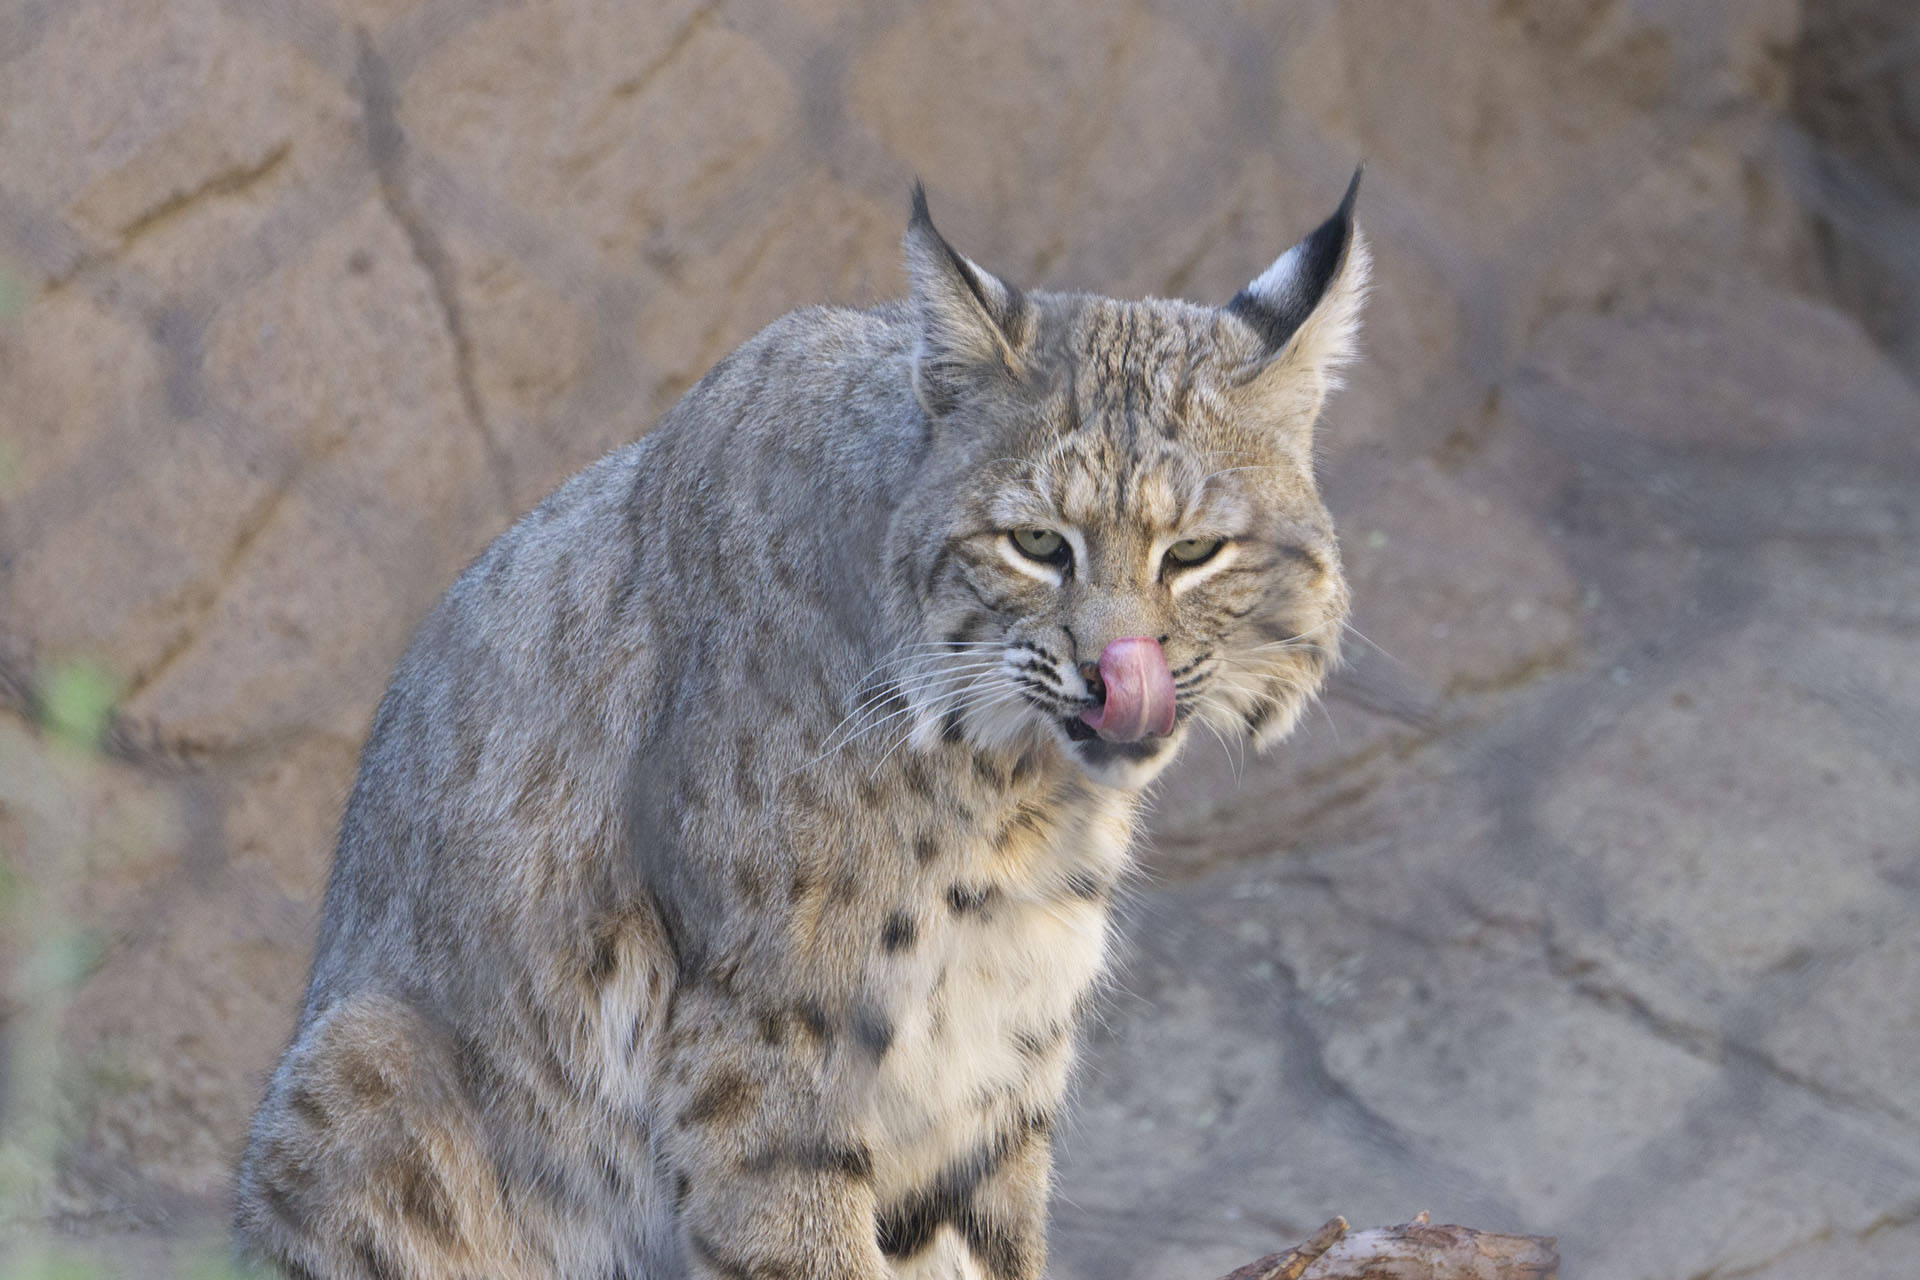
<point x="731" y="858"/>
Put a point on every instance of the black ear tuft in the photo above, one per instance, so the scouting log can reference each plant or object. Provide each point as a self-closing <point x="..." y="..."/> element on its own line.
<point x="919" y="216"/>
<point x="1277" y="303"/>
<point x="920" y="220"/>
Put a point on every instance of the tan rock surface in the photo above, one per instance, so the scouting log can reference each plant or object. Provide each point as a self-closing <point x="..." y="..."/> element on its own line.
<point x="1587" y="906"/>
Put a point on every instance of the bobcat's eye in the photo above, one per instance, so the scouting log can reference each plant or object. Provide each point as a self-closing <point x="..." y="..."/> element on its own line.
<point x="1042" y="544"/>
<point x="1192" y="551"/>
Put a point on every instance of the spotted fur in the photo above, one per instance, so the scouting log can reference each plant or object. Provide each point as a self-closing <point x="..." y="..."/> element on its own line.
<point x="729" y="867"/>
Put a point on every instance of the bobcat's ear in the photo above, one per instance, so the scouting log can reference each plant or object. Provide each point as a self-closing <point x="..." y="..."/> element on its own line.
<point x="1304" y="310"/>
<point x="971" y="321"/>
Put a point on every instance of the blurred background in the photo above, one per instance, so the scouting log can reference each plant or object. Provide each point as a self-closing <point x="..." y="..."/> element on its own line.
<point x="1590" y="905"/>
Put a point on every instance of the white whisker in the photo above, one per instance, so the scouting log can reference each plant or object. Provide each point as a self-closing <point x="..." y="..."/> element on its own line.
<point x="1200" y="707"/>
<point x="939" y="683"/>
<point x="1370" y="644"/>
<point x="966" y="699"/>
<point x="906" y="681"/>
<point x="1269" y="466"/>
<point x="1293" y="641"/>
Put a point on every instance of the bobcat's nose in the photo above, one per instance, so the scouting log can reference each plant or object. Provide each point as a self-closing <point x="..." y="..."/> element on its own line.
<point x="1090" y="672"/>
<point x="1135" y="690"/>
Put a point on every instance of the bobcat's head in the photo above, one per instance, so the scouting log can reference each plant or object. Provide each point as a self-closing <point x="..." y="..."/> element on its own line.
<point x="1117" y="534"/>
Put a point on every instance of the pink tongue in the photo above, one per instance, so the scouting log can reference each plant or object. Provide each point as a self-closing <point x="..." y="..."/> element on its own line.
<point x="1139" y="692"/>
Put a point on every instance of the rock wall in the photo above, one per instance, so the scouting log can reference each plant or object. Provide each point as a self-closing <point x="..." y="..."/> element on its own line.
<point x="1588" y="907"/>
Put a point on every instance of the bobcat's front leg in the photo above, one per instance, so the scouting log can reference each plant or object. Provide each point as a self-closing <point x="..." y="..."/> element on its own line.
<point x="1005" y="1224"/>
<point x="768" y="1176"/>
<point x="984" y="1216"/>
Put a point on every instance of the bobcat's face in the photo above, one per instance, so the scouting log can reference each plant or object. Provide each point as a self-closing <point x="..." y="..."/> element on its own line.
<point x="1138" y="552"/>
<point x="1117" y="535"/>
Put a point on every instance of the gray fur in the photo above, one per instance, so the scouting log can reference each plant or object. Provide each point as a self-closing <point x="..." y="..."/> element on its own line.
<point x="722" y="884"/>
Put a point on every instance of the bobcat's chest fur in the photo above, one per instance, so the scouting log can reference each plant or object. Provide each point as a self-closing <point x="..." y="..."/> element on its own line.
<point x="1017" y="935"/>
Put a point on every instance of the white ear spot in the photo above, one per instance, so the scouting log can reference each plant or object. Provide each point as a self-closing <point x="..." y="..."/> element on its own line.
<point x="1282" y="277"/>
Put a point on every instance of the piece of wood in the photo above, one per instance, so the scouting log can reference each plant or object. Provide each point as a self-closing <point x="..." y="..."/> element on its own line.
<point x="1416" y="1250"/>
